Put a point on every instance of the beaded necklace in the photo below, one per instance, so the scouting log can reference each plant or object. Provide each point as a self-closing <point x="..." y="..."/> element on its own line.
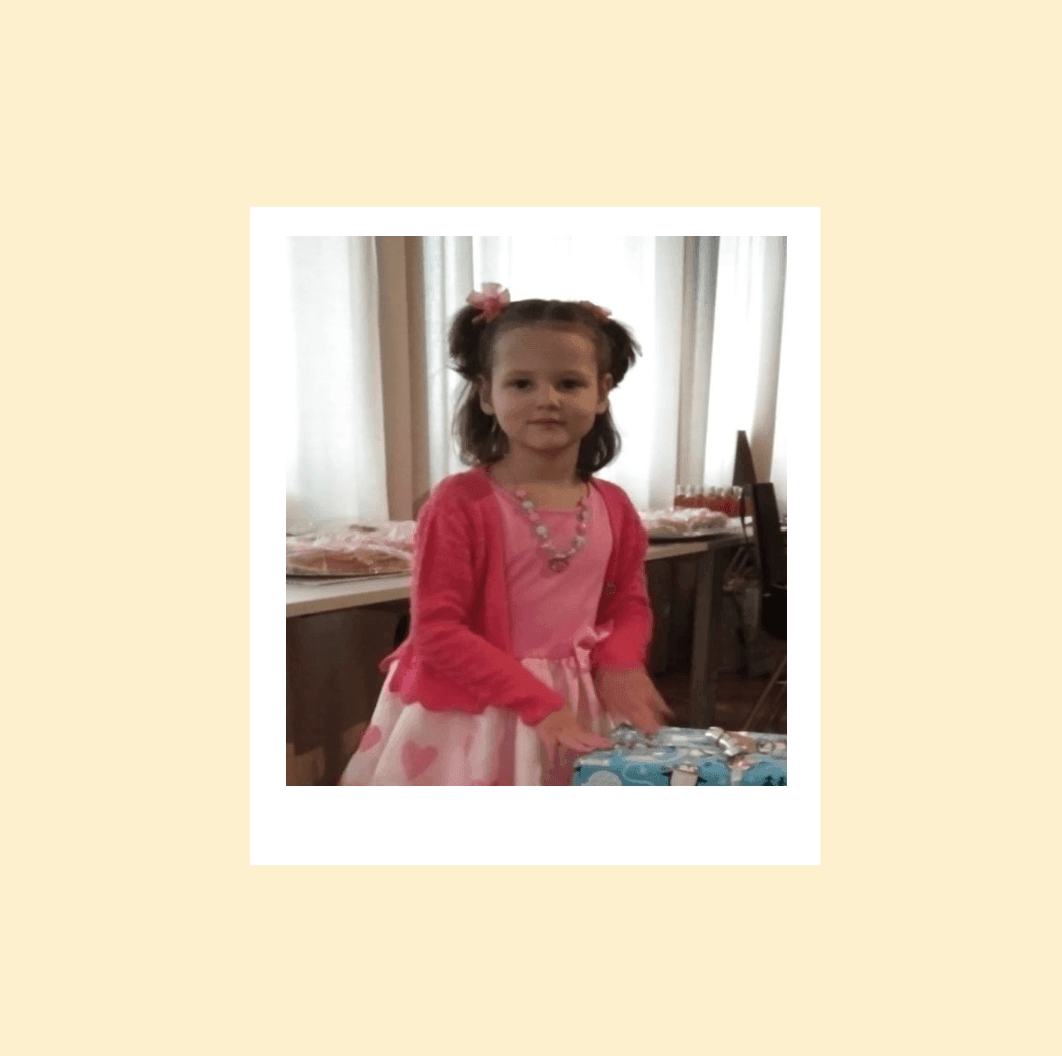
<point x="557" y="562"/>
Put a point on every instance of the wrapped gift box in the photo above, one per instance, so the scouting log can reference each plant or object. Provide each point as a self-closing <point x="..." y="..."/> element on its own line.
<point x="676" y="756"/>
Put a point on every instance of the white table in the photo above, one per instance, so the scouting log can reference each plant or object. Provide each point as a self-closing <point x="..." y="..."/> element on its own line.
<point x="306" y="597"/>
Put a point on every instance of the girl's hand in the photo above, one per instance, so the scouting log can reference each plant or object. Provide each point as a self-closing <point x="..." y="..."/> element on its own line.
<point x="562" y="730"/>
<point x="630" y="696"/>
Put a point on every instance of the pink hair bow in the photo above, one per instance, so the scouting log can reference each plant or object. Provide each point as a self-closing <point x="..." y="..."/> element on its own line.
<point x="491" y="301"/>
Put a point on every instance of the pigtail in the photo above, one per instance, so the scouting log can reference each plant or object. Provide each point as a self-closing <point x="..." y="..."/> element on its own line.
<point x="465" y="336"/>
<point x="623" y="349"/>
<point x="476" y="433"/>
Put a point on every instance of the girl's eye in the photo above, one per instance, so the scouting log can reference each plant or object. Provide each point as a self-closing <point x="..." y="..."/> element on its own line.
<point x="570" y="382"/>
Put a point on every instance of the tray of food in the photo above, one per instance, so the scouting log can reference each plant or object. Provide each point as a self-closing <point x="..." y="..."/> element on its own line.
<point x="668" y="526"/>
<point x="352" y="551"/>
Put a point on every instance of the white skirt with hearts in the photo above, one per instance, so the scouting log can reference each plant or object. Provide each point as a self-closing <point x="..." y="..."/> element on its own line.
<point x="405" y="744"/>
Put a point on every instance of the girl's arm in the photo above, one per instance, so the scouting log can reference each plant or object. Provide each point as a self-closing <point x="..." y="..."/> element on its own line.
<point x="442" y="599"/>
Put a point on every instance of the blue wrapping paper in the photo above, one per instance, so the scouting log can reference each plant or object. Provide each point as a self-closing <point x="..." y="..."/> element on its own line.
<point x="679" y="756"/>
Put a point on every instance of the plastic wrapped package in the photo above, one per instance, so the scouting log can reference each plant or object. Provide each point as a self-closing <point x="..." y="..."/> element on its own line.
<point x="353" y="550"/>
<point x="677" y="523"/>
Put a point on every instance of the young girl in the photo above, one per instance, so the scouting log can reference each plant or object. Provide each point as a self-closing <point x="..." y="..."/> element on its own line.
<point x="530" y="620"/>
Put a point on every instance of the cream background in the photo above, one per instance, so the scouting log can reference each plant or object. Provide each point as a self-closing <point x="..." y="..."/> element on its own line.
<point x="139" y="137"/>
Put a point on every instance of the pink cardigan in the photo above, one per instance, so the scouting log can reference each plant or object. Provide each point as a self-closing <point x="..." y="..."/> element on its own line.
<point x="459" y="654"/>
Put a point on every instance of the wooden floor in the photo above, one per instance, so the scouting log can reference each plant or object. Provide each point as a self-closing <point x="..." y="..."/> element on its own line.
<point x="735" y="698"/>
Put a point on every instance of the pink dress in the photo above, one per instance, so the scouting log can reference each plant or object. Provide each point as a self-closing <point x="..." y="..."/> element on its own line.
<point x="553" y="627"/>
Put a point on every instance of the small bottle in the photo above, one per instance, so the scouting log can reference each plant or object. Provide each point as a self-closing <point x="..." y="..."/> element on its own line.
<point x="699" y="497"/>
<point x="680" y="497"/>
<point x="714" y="500"/>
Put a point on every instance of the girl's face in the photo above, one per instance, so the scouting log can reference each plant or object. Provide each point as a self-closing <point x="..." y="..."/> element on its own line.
<point x="545" y="375"/>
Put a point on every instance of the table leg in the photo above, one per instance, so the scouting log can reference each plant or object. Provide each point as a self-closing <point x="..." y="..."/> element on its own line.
<point x="334" y="761"/>
<point x="704" y="666"/>
<point x="702" y="687"/>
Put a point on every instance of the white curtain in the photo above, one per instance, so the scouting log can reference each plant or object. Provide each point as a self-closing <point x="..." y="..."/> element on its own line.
<point x="336" y="468"/>
<point x="707" y="312"/>
<point x="740" y="353"/>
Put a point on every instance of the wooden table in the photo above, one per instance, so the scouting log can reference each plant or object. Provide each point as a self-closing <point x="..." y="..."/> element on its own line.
<point x="306" y="597"/>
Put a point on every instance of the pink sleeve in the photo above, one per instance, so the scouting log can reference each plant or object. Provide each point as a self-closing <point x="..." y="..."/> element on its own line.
<point x="442" y="598"/>
<point x="629" y="608"/>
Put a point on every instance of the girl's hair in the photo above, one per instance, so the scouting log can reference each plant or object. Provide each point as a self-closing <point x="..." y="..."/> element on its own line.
<point x="472" y="350"/>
